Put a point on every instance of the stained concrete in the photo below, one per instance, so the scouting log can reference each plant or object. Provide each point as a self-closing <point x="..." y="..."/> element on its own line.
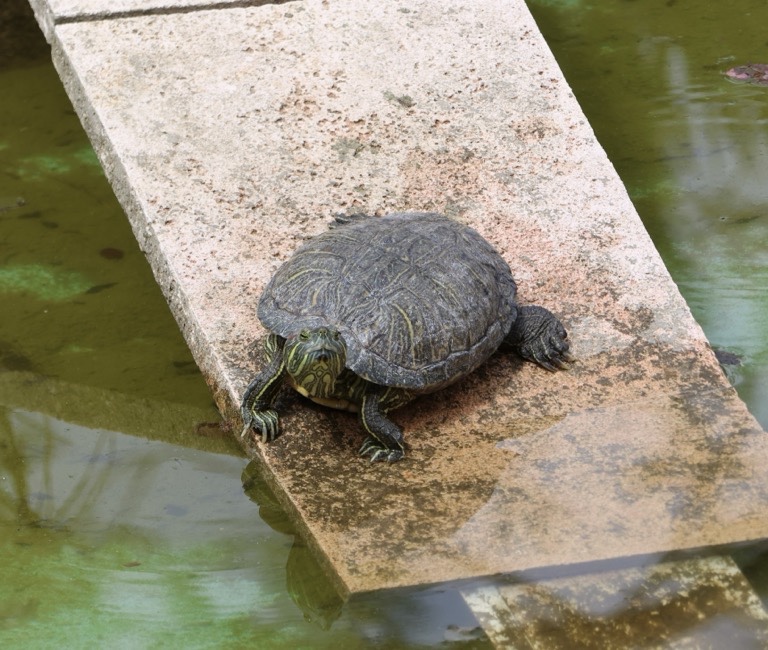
<point x="232" y="135"/>
<point x="690" y="603"/>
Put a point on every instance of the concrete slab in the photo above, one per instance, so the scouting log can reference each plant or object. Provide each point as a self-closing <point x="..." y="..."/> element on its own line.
<point x="232" y="135"/>
<point x="693" y="603"/>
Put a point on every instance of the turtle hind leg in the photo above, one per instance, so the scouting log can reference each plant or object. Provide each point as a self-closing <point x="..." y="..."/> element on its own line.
<point x="537" y="335"/>
<point x="385" y="439"/>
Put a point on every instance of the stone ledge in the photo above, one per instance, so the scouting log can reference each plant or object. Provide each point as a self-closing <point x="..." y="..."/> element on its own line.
<point x="50" y="13"/>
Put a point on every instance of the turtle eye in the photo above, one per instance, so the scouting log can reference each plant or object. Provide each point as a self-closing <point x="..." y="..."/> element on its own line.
<point x="304" y="335"/>
<point x="336" y="336"/>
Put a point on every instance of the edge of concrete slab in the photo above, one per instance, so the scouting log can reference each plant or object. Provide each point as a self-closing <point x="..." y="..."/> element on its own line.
<point x="50" y="13"/>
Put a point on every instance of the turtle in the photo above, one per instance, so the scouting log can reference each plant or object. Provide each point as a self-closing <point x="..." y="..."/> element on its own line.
<point x="375" y="311"/>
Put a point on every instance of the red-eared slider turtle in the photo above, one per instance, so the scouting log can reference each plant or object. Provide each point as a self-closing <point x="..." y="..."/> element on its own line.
<point x="372" y="313"/>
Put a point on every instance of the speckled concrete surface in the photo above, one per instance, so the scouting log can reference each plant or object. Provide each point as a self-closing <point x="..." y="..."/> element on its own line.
<point x="232" y="135"/>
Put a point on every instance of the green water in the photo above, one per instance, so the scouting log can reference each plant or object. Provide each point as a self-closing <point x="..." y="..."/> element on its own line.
<point x="129" y="519"/>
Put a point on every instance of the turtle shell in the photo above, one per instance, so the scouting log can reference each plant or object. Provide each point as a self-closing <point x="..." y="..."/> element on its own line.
<point x="420" y="300"/>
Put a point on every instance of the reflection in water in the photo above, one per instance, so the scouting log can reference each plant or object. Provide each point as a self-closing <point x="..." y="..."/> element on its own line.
<point x="661" y="602"/>
<point x="307" y="583"/>
<point x="107" y="535"/>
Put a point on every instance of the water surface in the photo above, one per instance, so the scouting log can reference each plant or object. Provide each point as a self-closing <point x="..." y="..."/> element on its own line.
<point x="129" y="517"/>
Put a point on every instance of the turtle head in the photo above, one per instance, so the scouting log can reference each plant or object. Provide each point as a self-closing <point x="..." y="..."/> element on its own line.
<point x="314" y="358"/>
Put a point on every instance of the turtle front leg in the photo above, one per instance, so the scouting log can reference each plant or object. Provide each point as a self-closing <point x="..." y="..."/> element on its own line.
<point x="537" y="335"/>
<point x="256" y="408"/>
<point x="385" y="440"/>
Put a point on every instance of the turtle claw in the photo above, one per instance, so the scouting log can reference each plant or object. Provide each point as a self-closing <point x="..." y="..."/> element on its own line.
<point x="378" y="452"/>
<point x="554" y="361"/>
<point x="264" y="423"/>
<point x="545" y="363"/>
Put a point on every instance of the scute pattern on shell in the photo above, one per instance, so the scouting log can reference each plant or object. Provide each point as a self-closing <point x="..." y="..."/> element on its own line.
<point x="420" y="300"/>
